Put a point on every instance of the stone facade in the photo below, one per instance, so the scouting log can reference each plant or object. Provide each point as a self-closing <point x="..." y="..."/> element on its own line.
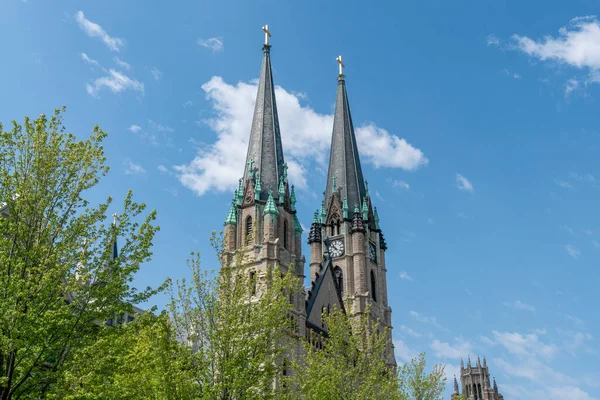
<point x="475" y="382"/>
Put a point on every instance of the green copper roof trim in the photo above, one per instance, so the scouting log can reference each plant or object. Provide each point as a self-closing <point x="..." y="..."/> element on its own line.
<point x="316" y="217"/>
<point x="270" y="207"/>
<point x="240" y="193"/>
<point x="281" y="190"/>
<point x="231" y="220"/>
<point x="323" y="214"/>
<point x="293" y="199"/>
<point x="356" y="209"/>
<point x="257" y="187"/>
<point x="365" y="209"/>
<point x="345" y="207"/>
<point x="376" y="219"/>
<point x="366" y="188"/>
<point x="297" y="226"/>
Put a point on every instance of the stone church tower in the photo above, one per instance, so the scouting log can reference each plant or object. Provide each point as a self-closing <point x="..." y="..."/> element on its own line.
<point x="347" y="248"/>
<point x="475" y="382"/>
<point x="262" y="222"/>
<point x="349" y="221"/>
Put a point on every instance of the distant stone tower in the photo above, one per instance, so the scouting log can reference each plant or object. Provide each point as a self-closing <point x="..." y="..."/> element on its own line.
<point x="262" y="224"/>
<point x="475" y="382"/>
<point x="351" y="223"/>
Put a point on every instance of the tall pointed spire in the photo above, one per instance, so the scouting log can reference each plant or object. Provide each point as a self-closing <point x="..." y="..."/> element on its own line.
<point x="344" y="162"/>
<point x="455" y="385"/>
<point x="264" y="146"/>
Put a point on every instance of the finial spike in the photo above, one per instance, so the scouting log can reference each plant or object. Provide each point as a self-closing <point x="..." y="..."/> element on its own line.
<point x="115" y="219"/>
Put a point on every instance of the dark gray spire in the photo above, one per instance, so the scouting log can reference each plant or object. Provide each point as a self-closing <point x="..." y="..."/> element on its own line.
<point x="344" y="162"/>
<point x="264" y="146"/>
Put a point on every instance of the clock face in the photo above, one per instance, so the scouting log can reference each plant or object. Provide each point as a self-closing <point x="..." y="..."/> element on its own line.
<point x="372" y="253"/>
<point x="337" y="248"/>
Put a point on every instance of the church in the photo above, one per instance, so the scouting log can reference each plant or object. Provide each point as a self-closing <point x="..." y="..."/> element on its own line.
<point x="347" y="247"/>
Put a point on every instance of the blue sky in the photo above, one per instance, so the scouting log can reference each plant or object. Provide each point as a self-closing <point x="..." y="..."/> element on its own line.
<point x="478" y="133"/>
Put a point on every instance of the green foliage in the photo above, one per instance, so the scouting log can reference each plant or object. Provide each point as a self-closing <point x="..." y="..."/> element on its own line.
<point x="58" y="279"/>
<point x="139" y="360"/>
<point x="353" y="364"/>
<point x="237" y="331"/>
<point x="416" y="384"/>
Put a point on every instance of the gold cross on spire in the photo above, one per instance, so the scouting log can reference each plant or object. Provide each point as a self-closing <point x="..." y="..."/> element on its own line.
<point x="267" y="34"/>
<point x="339" y="60"/>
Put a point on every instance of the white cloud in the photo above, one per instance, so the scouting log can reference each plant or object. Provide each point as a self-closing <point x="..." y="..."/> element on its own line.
<point x="163" y="169"/>
<point x="492" y="40"/>
<point x="463" y="183"/>
<point x="575" y="340"/>
<point x="132" y="168"/>
<point x="135" y="128"/>
<point x="403" y="352"/>
<point x="447" y="351"/>
<point x="306" y="136"/>
<point x="424" y="319"/>
<point x="409" y="331"/>
<point x="527" y="345"/>
<point x="156" y="74"/>
<point x="116" y="82"/>
<point x="215" y="43"/>
<point x="577" y="44"/>
<point x="160" y="127"/>
<point x="572" y="251"/>
<point x="406" y="276"/>
<point x="383" y="149"/>
<point x="94" y="30"/>
<point x="519" y="305"/>
<point x="399" y="184"/>
<point x="122" y="64"/>
<point x="88" y="60"/>
<point x="564" y="184"/>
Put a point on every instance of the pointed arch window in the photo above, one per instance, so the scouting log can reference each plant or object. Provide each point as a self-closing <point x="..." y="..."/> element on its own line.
<point x="285" y="234"/>
<point x="373" y="286"/>
<point x="339" y="278"/>
<point x="248" y="227"/>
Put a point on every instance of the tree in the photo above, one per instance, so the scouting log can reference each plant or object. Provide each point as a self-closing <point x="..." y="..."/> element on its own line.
<point x="416" y="384"/>
<point x="236" y="325"/>
<point x="352" y="365"/>
<point x="139" y="360"/>
<point x="59" y="277"/>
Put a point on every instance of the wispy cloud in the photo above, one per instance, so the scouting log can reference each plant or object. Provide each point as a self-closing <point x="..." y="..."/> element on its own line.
<point x="425" y="319"/>
<point x="116" y="82"/>
<point x="88" y="60"/>
<point x="306" y="136"/>
<point x="156" y="74"/>
<point x="94" y="30"/>
<point x="160" y="127"/>
<point x="492" y="40"/>
<point x="215" y="44"/>
<point x="402" y="352"/>
<point x="409" y="331"/>
<point x="135" y="128"/>
<point x="122" y="64"/>
<point x="525" y="344"/>
<point x="132" y="168"/>
<point x="519" y="305"/>
<point x="404" y="275"/>
<point x="399" y="184"/>
<point x="563" y="184"/>
<point x="455" y="351"/>
<point x="572" y="251"/>
<point x="463" y="183"/>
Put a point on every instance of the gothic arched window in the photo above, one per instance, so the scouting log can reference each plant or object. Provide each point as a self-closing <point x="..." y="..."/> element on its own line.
<point x="373" y="286"/>
<point x="252" y="283"/>
<point x="248" y="227"/>
<point x="285" y="235"/>
<point x="339" y="278"/>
